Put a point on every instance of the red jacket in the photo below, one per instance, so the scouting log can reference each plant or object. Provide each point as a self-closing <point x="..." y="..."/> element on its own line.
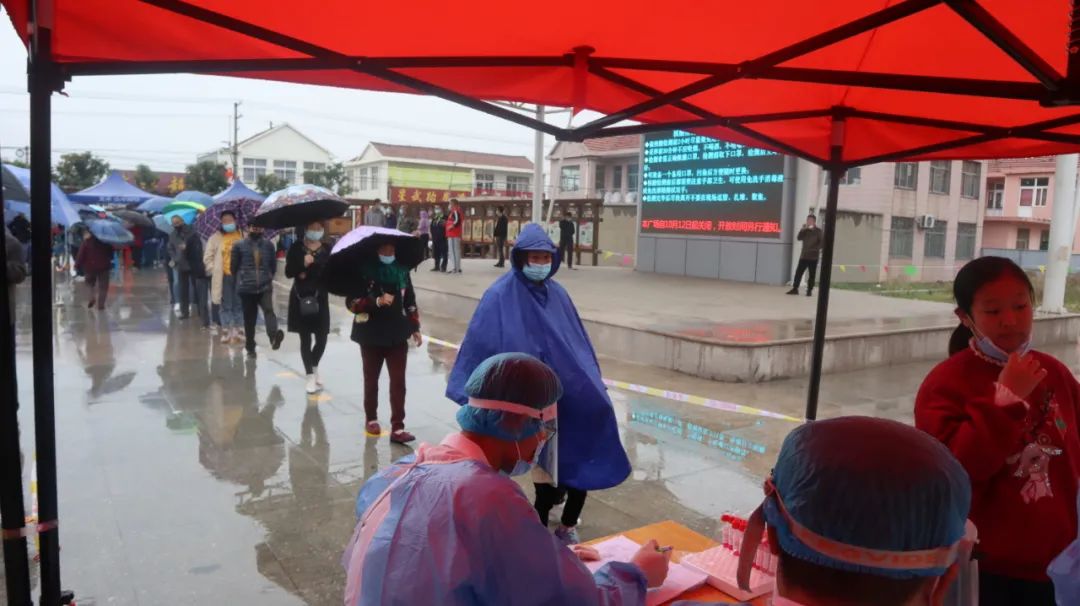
<point x="94" y="256"/>
<point x="454" y="222"/>
<point x="958" y="404"/>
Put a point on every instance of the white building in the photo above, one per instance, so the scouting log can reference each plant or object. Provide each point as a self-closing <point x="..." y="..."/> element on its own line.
<point x="406" y="173"/>
<point x="279" y="149"/>
<point x="605" y="168"/>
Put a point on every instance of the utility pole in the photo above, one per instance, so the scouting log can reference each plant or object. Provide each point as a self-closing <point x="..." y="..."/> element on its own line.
<point x="1062" y="232"/>
<point x="235" y="140"/>
<point x="538" y="169"/>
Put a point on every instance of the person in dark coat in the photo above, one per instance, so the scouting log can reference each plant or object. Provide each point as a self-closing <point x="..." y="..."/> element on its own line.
<point x="812" y="239"/>
<point x="95" y="261"/>
<point x="567" y="231"/>
<point x="304" y="263"/>
<point x="391" y="220"/>
<point x="186" y="257"/>
<point x="16" y="268"/>
<point x="386" y="319"/>
<point x="440" y="246"/>
<point x="501" y="227"/>
<point x="20" y="228"/>
<point x="254" y="264"/>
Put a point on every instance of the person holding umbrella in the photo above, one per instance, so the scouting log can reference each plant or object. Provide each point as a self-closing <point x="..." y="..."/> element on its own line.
<point x="370" y="267"/>
<point x="254" y="265"/>
<point x="309" y="304"/>
<point x="218" y="261"/>
<point x="94" y="260"/>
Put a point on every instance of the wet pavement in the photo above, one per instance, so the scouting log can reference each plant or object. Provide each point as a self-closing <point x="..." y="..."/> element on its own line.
<point x="190" y="475"/>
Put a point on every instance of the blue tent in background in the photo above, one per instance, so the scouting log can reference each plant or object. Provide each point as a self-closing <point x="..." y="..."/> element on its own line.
<point x="113" y="190"/>
<point x="62" y="210"/>
<point x="238" y="191"/>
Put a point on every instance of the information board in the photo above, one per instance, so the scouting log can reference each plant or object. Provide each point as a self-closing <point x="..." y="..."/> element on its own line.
<point x="696" y="185"/>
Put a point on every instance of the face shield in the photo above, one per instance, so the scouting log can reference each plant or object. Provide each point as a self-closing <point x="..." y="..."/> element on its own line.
<point x="962" y="590"/>
<point x="515" y="422"/>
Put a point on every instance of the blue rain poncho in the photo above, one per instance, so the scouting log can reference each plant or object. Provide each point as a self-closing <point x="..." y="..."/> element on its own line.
<point x="519" y="315"/>
<point x="445" y="528"/>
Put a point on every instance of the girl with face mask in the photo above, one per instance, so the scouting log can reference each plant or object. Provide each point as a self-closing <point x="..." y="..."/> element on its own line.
<point x="309" y="311"/>
<point x="1010" y="415"/>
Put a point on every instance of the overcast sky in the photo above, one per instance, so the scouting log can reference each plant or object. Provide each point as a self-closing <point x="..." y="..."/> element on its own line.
<point x="164" y="121"/>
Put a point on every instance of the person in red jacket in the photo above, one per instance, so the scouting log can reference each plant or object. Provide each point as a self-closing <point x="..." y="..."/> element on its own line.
<point x="453" y="234"/>
<point x="1010" y="416"/>
<point x="95" y="261"/>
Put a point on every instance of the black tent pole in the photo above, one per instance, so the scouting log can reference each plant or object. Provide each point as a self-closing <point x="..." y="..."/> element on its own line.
<point x="835" y="172"/>
<point x="43" y="79"/>
<point x="12" y="508"/>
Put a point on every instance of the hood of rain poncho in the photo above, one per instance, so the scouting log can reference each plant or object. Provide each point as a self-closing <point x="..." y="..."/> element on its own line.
<point x="511" y="377"/>
<point x="870" y="483"/>
<point x="519" y="315"/>
<point x="534" y="238"/>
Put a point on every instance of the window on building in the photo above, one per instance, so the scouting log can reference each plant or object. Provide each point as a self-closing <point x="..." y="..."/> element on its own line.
<point x="374" y="177"/>
<point x="632" y="174"/>
<point x="906" y="176"/>
<point x="253" y="169"/>
<point x="570" y="178"/>
<point x="995" y="195"/>
<point x="516" y="185"/>
<point x="616" y="178"/>
<point x="934" y="241"/>
<point x="1033" y="191"/>
<point x="364" y="180"/>
<point x="853" y="176"/>
<point x="902" y="238"/>
<point x="970" y="177"/>
<point x="1023" y="239"/>
<point x="599" y="179"/>
<point x="286" y="169"/>
<point x="485" y="182"/>
<point x="1044" y="240"/>
<point x="965" y="241"/>
<point x="314" y="166"/>
<point x="940" y="175"/>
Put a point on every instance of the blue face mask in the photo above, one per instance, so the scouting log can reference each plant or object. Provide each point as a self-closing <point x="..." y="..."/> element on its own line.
<point x="314" y="235"/>
<point x="522" y="467"/>
<point x="989" y="349"/>
<point x="228" y="227"/>
<point x="387" y="259"/>
<point x="537" y="273"/>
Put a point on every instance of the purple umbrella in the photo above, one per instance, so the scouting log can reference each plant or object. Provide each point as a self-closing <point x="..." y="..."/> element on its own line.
<point x="359" y="248"/>
<point x="209" y="222"/>
<point x="299" y="205"/>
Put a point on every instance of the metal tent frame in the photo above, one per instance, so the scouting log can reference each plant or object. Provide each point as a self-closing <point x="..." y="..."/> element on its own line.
<point x="1049" y="88"/>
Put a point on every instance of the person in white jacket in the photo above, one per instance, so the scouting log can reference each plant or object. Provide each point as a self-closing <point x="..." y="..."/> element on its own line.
<point x="217" y="257"/>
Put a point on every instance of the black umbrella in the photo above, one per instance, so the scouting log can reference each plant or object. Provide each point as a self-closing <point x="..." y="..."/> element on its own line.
<point x="134" y="218"/>
<point x="299" y="205"/>
<point x="358" y="248"/>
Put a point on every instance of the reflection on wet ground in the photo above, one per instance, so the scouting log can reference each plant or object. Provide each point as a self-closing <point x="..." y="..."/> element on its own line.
<point x="191" y="475"/>
<point x="768" y="331"/>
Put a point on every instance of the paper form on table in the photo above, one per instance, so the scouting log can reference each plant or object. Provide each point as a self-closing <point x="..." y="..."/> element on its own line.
<point x="680" y="578"/>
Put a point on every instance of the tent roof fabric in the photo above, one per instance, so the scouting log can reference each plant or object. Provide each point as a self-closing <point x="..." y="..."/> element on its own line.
<point x="113" y="190"/>
<point x="770" y="73"/>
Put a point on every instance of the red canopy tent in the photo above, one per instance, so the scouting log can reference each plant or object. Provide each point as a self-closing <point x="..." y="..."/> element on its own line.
<point x="842" y="83"/>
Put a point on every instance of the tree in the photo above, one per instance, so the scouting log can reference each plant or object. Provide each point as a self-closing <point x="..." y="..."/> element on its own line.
<point x="145" y="179"/>
<point x="15" y="162"/>
<point x="207" y="177"/>
<point x="332" y="177"/>
<point x="76" y="172"/>
<point x="270" y="183"/>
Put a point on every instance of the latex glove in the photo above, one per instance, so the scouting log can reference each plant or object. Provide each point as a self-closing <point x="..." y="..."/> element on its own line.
<point x="653" y="563"/>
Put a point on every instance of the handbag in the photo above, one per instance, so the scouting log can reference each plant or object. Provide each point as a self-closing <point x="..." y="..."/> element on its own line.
<point x="309" y="305"/>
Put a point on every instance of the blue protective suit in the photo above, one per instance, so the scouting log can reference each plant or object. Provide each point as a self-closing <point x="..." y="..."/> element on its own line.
<point x="457" y="533"/>
<point x="519" y="315"/>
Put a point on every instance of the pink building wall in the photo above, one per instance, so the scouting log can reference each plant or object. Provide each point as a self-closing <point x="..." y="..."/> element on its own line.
<point x="1001" y="227"/>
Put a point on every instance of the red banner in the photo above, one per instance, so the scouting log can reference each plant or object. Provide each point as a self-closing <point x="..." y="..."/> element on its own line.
<point x="421" y="195"/>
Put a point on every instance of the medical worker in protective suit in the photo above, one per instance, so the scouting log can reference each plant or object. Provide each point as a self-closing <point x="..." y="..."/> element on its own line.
<point x="527" y="310"/>
<point x="866" y="512"/>
<point x="450" y="527"/>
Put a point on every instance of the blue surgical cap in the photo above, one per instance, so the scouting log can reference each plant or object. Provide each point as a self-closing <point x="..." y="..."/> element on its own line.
<point x="510" y="377"/>
<point x="869" y="483"/>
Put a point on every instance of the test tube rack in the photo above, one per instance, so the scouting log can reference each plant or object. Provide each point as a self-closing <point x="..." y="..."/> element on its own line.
<point x="721" y="563"/>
